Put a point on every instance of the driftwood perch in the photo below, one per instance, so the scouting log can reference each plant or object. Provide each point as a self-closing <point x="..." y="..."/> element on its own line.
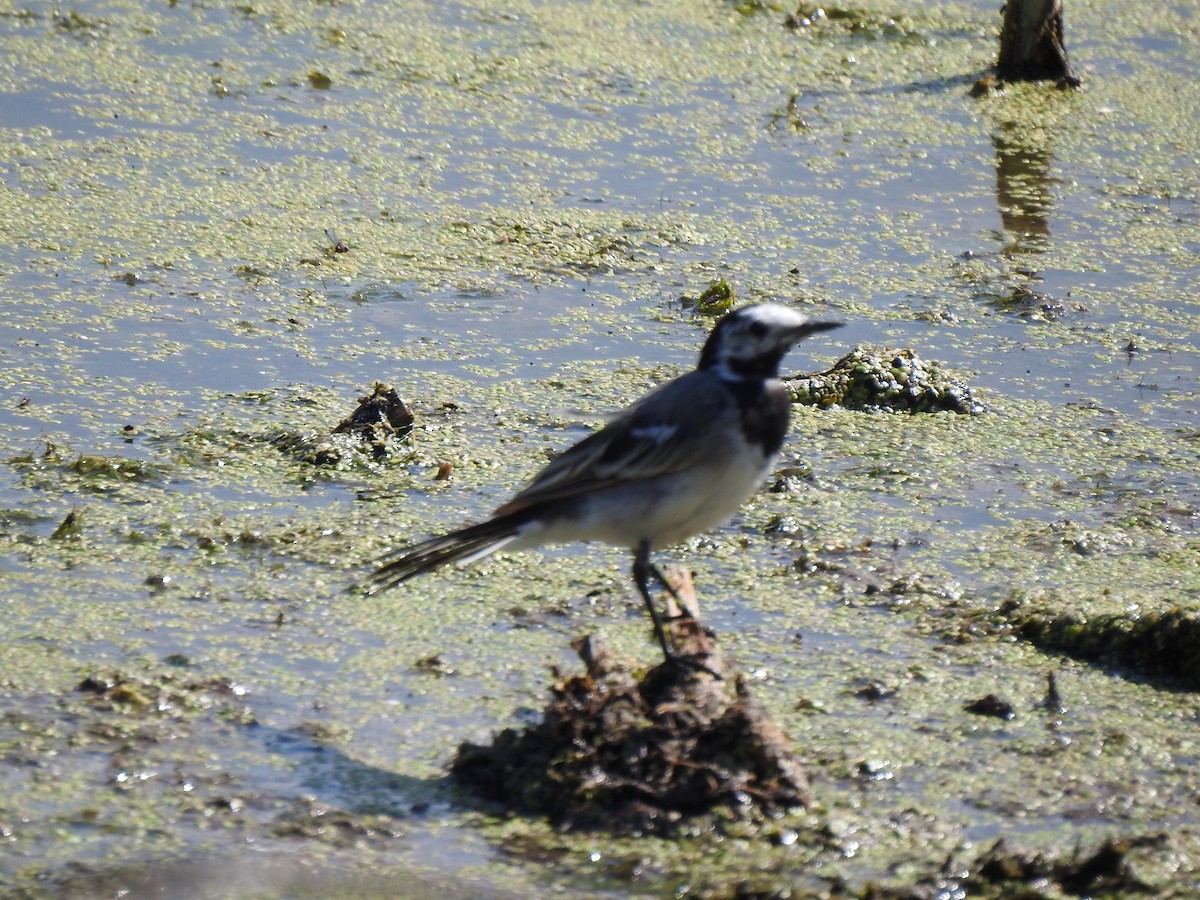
<point x="617" y="753"/>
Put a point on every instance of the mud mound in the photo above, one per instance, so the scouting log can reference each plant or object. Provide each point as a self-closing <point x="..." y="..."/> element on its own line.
<point x="621" y="754"/>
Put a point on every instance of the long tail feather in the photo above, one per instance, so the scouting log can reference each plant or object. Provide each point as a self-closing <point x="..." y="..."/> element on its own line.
<point x="464" y="545"/>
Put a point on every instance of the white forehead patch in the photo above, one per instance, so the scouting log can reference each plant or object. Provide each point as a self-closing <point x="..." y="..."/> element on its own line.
<point x="773" y="315"/>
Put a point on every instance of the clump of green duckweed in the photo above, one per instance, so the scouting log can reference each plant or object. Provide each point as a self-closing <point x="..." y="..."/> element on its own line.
<point x="1030" y="304"/>
<point x="715" y="300"/>
<point x="319" y="80"/>
<point x="884" y="380"/>
<point x="79" y="26"/>
<point x="751" y="7"/>
<point x="114" y="467"/>
<point x="88" y="472"/>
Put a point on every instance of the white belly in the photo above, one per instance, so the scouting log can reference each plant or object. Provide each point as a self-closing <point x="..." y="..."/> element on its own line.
<point x="663" y="511"/>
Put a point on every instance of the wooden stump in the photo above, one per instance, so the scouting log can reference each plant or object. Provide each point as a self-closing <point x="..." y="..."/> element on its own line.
<point x="1031" y="43"/>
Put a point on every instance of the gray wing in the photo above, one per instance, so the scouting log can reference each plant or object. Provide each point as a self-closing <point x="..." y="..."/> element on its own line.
<point x="668" y="430"/>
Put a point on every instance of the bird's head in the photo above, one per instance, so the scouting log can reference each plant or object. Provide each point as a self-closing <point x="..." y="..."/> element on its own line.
<point x="750" y="342"/>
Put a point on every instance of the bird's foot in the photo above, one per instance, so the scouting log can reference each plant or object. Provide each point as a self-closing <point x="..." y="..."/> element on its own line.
<point x="691" y="663"/>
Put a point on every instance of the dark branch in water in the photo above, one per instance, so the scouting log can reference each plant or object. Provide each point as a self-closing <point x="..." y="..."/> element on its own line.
<point x="1031" y="43"/>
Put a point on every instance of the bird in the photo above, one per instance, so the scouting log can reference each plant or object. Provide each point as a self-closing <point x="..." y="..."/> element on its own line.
<point x="677" y="462"/>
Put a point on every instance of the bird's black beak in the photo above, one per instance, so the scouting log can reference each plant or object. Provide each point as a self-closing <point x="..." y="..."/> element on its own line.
<point x="815" y="326"/>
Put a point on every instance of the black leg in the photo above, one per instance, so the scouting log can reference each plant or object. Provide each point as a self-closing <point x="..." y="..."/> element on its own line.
<point x="642" y="570"/>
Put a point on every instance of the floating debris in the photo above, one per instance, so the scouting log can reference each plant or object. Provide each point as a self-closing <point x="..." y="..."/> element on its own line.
<point x="991" y="705"/>
<point x="381" y="410"/>
<point x="319" y="81"/>
<point x="1031" y="304"/>
<point x="168" y="691"/>
<point x="1106" y="871"/>
<point x="880" y="379"/>
<point x="374" y="430"/>
<point x="1006" y="870"/>
<point x="68" y="529"/>
<point x="1053" y="701"/>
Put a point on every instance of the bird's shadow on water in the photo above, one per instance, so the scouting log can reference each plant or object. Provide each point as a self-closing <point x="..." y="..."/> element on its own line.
<point x="332" y="777"/>
<point x="357" y="799"/>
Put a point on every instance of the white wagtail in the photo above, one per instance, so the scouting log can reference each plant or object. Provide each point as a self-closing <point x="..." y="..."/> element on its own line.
<point x="677" y="462"/>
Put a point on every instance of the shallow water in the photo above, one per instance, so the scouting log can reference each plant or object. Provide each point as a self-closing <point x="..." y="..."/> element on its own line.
<point x="526" y="195"/>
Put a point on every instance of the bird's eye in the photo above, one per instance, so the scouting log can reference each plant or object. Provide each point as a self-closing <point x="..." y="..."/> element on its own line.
<point x="758" y="329"/>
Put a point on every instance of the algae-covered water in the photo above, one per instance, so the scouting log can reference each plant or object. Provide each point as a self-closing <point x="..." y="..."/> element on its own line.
<point x="192" y="702"/>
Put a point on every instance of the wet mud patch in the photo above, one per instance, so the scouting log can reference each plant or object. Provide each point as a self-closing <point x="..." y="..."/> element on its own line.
<point x="1007" y="870"/>
<point x="307" y="819"/>
<point x="151" y="767"/>
<point x="619" y="753"/>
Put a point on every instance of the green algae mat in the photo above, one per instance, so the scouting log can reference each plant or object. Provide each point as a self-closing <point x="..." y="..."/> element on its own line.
<point x="221" y="224"/>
